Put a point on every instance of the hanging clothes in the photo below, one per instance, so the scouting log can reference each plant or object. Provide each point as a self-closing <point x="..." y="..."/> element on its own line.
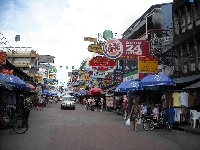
<point x="144" y="110"/>
<point x="191" y="99"/>
<point x="156" y="113"/>
<point x="177" y="114"/>
<point x="170" y="113"/>
<point x="184" y="99"/>
<point x="176" y="99"/>
<point x="169" y="100"/>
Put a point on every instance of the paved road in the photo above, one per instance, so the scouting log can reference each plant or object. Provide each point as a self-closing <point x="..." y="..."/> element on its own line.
<point x="53" y="129"/>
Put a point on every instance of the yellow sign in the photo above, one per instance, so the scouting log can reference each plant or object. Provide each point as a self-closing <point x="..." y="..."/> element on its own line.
<point x="96" y="48"/>
<point x="86" y="78"/>
<point x="90" y="39"/>
<point x="148" y="65"/>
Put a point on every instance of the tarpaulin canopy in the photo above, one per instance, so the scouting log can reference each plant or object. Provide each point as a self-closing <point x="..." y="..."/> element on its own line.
<point x="46" y="92"/>
<point x="95" y="91"/>
<point x="156" y="80"/>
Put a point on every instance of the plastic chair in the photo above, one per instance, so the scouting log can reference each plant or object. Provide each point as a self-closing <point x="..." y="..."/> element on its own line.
<point x="190" y="120"/>
<point x="194" y="117"/>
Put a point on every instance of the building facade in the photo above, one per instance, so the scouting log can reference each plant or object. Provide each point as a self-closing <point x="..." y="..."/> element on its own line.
<point x="156" y="25"/>
<point x="186" y="18"/>
<point x="24" y="60"/>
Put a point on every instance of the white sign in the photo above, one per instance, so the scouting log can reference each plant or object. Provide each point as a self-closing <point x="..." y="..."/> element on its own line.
<point x="131" y="77"/>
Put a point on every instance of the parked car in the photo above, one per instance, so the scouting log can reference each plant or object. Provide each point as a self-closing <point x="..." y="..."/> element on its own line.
<point x="68" y="102"/>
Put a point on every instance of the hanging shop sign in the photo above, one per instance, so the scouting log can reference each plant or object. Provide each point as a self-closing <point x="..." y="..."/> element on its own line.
<point x="118" y="75"/>
<point x="148" y="65"/>
<point x="86" y="77"/>
<point x="96" y="48"/>
<point x="2" y="57"/>
<point x="131" y="76"/>
<point x="126" y="48"/>
<point x="107" y="34"/>
<point x="6" y="71"/>
<point x="101" y="63"/>
<point x="90" y="39"/>
<point x="53" y="71"/>
<point x="107" y="81"/>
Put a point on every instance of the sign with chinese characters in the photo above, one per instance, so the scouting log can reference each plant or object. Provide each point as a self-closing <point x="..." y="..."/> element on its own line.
<point x="46" y="59"/>
<point x="96" y="48"/>
<point x="101" y="63"/>
<point x="2" y="57"/>
<point x="86" y="77"/>
<point x="90" y="39"/>
<point x="148" y="65"/>
<point x="17" y="38"/>
<point x="126" y="48"/>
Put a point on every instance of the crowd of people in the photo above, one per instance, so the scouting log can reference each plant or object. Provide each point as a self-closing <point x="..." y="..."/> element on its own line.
<point x="93" y="104"/>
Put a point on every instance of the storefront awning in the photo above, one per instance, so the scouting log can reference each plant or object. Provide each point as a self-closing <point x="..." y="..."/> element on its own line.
<point x="193" y="86"/>
<point x="186" y="79"/>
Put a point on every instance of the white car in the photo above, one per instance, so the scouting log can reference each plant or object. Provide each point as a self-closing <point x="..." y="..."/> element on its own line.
<point x="68" y="102"/>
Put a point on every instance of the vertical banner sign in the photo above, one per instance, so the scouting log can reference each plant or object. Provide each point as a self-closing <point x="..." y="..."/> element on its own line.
<point x="3" y="58"/>
<point x="148" y="65"/>
<point x="118" y="76"/>
<point x="17" y="38"/>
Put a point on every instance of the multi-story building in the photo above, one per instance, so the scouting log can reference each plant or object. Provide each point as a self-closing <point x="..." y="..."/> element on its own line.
<point x="24" y="60"/>
<point x="156" y="25"/>
<point x="186" y="16"/>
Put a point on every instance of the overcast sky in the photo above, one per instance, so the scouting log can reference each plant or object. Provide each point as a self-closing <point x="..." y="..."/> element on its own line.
<point x="57" y="27"/>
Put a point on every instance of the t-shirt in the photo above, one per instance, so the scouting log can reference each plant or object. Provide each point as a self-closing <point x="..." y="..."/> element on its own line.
<point x="184" y="99"/>
<point x="177" y="114"/>
<point x="176" y="99"/>
<point x="191" y="99"/>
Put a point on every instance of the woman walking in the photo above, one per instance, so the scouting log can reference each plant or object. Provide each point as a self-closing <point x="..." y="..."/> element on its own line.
<point x="136" y="114"/>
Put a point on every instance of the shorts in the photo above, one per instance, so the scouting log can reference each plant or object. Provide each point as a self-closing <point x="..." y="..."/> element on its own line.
<point x="41" y="105"/>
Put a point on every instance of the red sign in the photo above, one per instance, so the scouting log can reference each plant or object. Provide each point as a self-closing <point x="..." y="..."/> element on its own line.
<point x="126" y="48"/>
<point x="3" y="57"/>
<point x="101" y="63"/>
<point x="6" y="71"/>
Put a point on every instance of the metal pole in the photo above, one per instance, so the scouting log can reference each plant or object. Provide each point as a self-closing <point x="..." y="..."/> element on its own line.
<point x="146" y="28"/>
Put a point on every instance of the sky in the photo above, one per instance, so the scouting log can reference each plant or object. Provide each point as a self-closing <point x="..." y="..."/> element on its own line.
<point x="58" y="27"/>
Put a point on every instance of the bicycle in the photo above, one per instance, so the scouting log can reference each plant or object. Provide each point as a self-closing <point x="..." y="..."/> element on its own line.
<point x="19" y="125"/>
<point x="149" y="122"/>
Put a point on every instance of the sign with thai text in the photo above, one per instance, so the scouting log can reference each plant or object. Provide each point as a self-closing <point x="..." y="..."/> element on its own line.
<point x="148" y="65"/>
<point x="101" y="63"/>
<point x="96" y="48"/>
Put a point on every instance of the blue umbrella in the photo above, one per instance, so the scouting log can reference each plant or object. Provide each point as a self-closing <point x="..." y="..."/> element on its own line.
<point x="14" y="81"/>
<point x="45" y="92"/>
<point x="83" y="92"/>
<point x="128" y="86"/>
<point x="156" y="80"/>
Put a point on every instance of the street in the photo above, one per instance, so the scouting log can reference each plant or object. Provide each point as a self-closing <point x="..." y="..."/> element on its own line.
<point x="53" y="128"/>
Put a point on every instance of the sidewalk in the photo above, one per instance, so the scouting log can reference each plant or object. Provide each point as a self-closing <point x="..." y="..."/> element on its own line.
<point x="187" y="128"/>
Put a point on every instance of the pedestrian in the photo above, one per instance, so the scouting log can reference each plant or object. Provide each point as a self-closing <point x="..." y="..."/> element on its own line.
<point x="136" y="114"/>
<point x="88" y="104"/>
<point x="101" y="104"/>
<point x="41" y="103"/>
<point x="37" y="102"/>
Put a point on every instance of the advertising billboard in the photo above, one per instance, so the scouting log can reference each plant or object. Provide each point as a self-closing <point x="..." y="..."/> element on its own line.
<point x="126" y="48"/>
<point x="101" y="63"/>
<point x="118" y="75"/>
<point x="96" y="48"/>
